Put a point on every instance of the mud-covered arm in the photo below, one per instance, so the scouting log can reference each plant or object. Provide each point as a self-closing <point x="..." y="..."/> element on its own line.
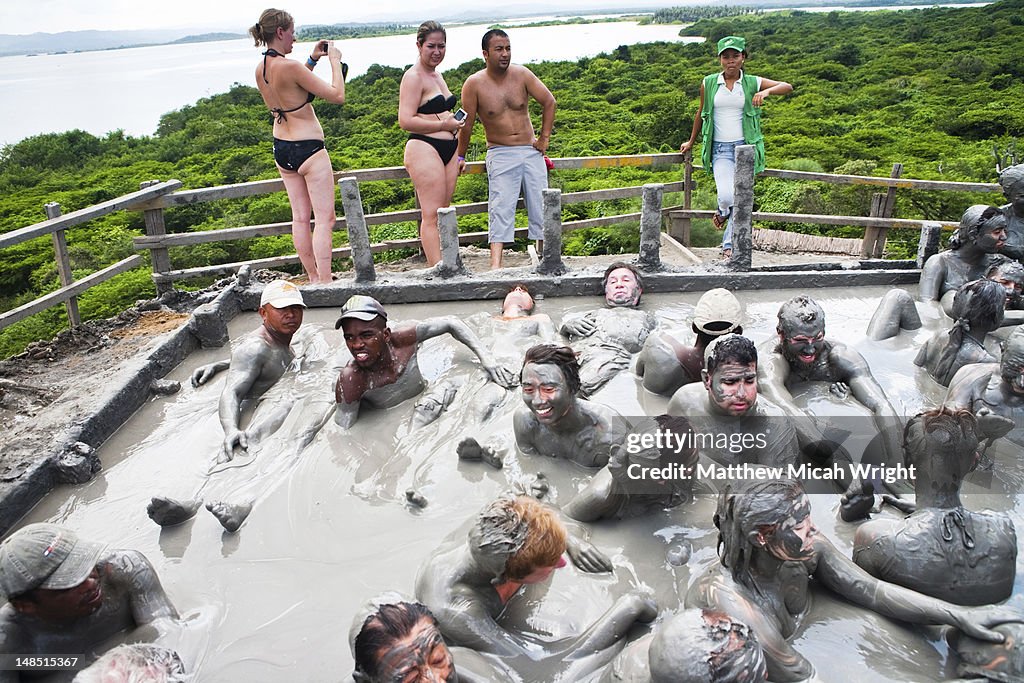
<point x="578" y="326"/>
<point x="246" y="366"/>
<point x="870" y="394"/>
<point x="523" y="426"/>
<point x="434" y="327"/>
<point x="204" y="373"/>
<point x="932" y="276"/>
<point x="843" y="576"/>
<point x="596" y="501"/>
<point x="148" y="599"/>
<point x="464" y="621"/>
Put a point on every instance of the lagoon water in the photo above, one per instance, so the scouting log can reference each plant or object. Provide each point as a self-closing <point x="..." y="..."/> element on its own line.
<point x="131" y="89"/>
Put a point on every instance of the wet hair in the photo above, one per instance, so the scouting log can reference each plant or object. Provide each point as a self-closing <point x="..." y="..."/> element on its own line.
<point x="265" y="29"/>
<point x="519" y="285"/>
<point x="382" y="629"/>
<point x="428" y="27"/>
<point x="731" y="349"/>
<point x="562" y="356"/>
<point x="546" y="538"/>
<point x="943" y="435"/>
<point x="760" y="506"/>
<point x="1008" y="268"/>
<point x="803" y="308"/>
<point x="485" y="42"/>
<point x="1012" y="179"/>
<point x="701" y="645"/>
<point x="978" y="305"/>
<point x="971" y="223"/>
<point x="621" y="264"/>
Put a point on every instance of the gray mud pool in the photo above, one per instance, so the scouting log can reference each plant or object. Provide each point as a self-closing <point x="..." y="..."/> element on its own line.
<point x="331" y="527"/>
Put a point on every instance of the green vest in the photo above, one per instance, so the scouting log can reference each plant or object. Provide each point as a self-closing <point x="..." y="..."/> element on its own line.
<point x="751" y="121"/>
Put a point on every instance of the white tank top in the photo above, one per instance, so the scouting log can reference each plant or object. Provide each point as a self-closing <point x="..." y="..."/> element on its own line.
<point x="728" y="110"/>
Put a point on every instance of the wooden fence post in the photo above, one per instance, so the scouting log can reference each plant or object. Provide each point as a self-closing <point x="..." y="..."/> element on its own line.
<point x="650" y="227"/>
<point x="448" y="232"/>
<point x="358" y="233"/>
<point x="742" y="210"/>
<point x="60" y="253"/>
<point x="551" y="254"/>
<point x="679" y="228"/>
<point x="882" y="205"/>
<point x="159" y="256"/>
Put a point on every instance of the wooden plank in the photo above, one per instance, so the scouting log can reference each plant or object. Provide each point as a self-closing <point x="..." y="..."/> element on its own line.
<point x="65" y="293"/>
<point x="68" y="220"/>
<point x="858" y="221"/>
<point x="60" y="253"/>
<point x="901" y="183"/>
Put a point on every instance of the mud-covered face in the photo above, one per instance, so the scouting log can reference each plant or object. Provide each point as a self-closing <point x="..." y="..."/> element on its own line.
<point x="622" y="288"/>
<point x="1013" y="287"/>
<point x="67" y="604"/>
<point x="1015" y="195"/>
<point x="733" y="387"/>
<point x="1011" y="365"/>
<point x="793" y="538"/>
<point x="366" y="339"/>
<point x="546" y="393"/>
<point x="285" y="320"/>
<point x="423" y="657"/>
<point x="518" y="298"/>
<point x="803" y="342"/>
<point x="992" y="235"/>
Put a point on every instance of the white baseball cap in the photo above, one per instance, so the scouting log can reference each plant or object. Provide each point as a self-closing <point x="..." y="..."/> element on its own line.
<point x="281" y="294"/>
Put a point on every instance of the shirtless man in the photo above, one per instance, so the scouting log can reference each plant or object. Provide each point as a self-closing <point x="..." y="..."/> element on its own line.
<point x="665" y="365"/>
<point x="383" y="371"/>
<point x="611" y="335"/>
<point x="803" y="354"/>
<point x="514" y="543"/>
<point x="994" y="392"/>
<point x="67" y="595"/>
<point x="554" y="421"/>
<point x="500" y="95"/>
<point x="740" y="426"/>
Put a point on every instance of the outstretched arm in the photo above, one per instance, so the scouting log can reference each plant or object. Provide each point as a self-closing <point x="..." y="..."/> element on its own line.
<point x="246" y="367"/>
<point x="594" y="502"/>
<point x="870" y="394"/>
<point x="433" y="327"/>
<point x="204" y="373"/>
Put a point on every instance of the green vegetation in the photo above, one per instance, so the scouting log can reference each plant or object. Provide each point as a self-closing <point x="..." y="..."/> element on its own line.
<point x="691" y="13"/>
<point x="573" y="20"/>
<point x="934" y="89"/>
<point x="350" y="31"/>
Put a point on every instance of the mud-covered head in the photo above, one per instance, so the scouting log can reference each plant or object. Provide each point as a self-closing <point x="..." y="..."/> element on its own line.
<point x="1012" y="181"/>
<point x="549" y="382"/>
<point x="1011" y="364"/>
<point x="622" y="285"/>
<point x="518" y="302"/>
<point x="655" y="443"/>
<point x="518" y="539"/>
<point x="394" y="639"/>
<point x="770" y="515"/>
<point x="1008" y="274"/>
<point x="705" y="646"/>
<point x="943" y="441"/>
<point x="981" y="225"/>
<point x="730" y="374"/>
<point x="980" y="303"/>
<point x="801" y="330"/>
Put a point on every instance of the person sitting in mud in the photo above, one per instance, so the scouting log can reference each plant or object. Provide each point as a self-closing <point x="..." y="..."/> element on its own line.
<point x="383" y="371"/>
<point x="665" y="365"/>
<point x="693" y="646"/>
<point x="258" y="360"/>
<point x="512" y="543"/>
<point x="626" y="487"/>
<point x="742" y="426"/>
<point x="608" y="337"/>
<point x="770" y="550"/>
<point x="977" y="310"/>
<point x="555" y="421"/>
<point x="1011" y="179"/>
<point x="396" y="639"/>
<point x="994" y="393"/>
<point x="942" y="549"/>
<point x="972" y="249"/>
<point x="68" y="595"/>
<point x="803" y="354"/>
<point x="897" y="310"/>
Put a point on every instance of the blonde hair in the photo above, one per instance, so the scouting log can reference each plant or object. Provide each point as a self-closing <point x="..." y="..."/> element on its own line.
<point x="266" y="28"/>
<point x="428" y="27"/>
<point x="545" y="542"/>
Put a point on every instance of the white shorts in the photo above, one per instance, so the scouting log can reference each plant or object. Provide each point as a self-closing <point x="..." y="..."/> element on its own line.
<point x="511" y="169"/>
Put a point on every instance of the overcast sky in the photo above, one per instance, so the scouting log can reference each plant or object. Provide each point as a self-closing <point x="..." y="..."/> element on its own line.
<point x="54" y="16"/>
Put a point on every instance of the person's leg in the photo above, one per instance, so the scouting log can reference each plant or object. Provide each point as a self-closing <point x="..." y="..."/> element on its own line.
<point x="504" y="181"/>
<point x="319" y="179"/>
<point x="535" y="181"/>
<point x="723" y="164"/>
<point x="298" y="197"/>
<point x="896" y="311"/>
<point x="430" y="179"/>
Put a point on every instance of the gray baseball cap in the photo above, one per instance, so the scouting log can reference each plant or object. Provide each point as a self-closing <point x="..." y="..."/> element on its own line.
<point x="718" y="311"/>
<point x="361" y="307"/>
<point x="45" y="556"/>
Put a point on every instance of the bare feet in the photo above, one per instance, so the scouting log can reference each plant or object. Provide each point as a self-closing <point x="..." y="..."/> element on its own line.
<point x="470" y="449"/>
<point x="230" y="516"/>
<point x="416" y="498"/>
<point x="168" y="511"/>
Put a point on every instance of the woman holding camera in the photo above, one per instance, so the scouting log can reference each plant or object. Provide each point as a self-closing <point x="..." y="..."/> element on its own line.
<point x="729" y="115"/>
<point x="288" y="89"/>
<point x="424" y="109"/>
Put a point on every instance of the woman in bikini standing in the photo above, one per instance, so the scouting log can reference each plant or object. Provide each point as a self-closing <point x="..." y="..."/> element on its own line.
<point x="288" y="89"/>
<point x="424" y="109"/>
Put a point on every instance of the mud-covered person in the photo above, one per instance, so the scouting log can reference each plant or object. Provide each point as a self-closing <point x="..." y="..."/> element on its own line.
<point x="258" y="360"/>
<point x="69" y="595"/>
<point x="384" y="370"/>
<point x="554" y="420"/>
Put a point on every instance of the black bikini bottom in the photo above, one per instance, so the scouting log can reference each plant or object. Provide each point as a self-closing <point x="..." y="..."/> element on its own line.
<point x="291" y="154"/>
<point x="444" y="148"/>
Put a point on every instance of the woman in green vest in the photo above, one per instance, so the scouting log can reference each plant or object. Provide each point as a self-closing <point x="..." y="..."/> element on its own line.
<point x="730" y="115"/>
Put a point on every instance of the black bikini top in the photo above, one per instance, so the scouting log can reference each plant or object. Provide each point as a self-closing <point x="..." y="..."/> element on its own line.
<point x="437" y="104"/>
<point x="280" y="113"/>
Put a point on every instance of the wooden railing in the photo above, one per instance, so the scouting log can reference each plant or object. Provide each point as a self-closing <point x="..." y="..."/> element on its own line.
<point x="155" y="197"/>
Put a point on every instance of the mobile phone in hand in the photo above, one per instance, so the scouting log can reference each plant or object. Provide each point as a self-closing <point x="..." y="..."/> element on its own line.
<point x="460" y="114"/>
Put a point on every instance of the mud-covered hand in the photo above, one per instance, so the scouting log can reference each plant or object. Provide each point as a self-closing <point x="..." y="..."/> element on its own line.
<point x="857" y="501"/>
<point x="977" y="622"/>
<point x="501" y="376"/>
<point x="235" y="437"/>
<point x="204" y="373"/>
<point x="579" y="327"/>
<point x="587" y="557"/>
<point x="993" y="426"/>
<point x="840" y="390"/>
